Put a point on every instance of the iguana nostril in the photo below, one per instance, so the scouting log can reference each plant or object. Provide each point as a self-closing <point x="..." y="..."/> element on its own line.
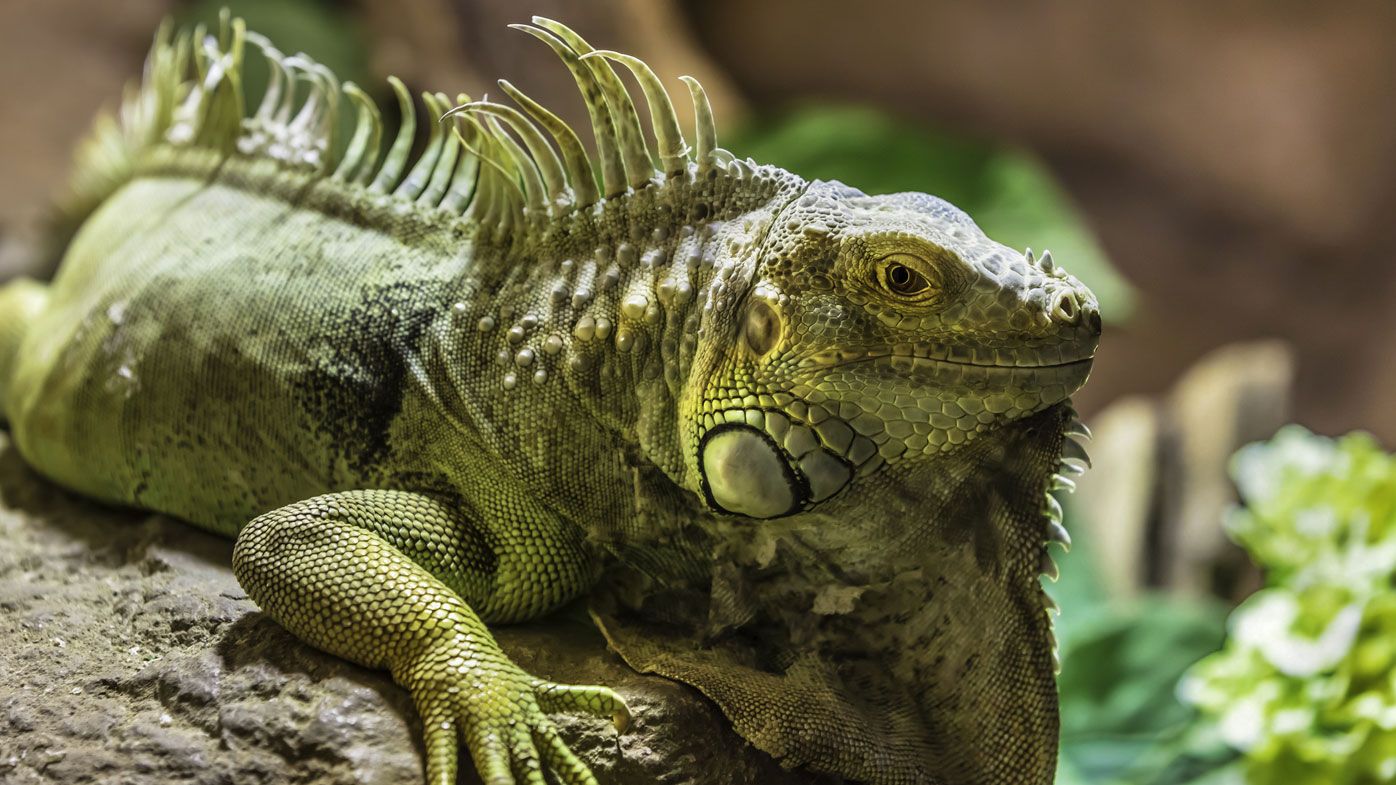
<point x="1065" y="308"/>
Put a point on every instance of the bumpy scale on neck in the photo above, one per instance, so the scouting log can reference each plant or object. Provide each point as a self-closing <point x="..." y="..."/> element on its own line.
<point x="618" y="304"/>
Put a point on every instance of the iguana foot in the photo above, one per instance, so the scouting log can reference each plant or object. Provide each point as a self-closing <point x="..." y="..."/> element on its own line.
<point x="355" y="574"/>
<point x="501" y="714"/>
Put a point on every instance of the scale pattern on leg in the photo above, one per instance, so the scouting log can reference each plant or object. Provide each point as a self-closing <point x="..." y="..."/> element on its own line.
<point x="328" y="570"/>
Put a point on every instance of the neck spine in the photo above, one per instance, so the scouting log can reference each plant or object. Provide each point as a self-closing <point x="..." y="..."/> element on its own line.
<point x="624" y="293"/>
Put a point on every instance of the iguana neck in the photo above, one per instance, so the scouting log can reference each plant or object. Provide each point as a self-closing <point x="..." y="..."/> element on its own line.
<point x="628" y="298"/>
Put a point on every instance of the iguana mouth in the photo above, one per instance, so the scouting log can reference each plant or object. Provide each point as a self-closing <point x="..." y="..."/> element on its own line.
<point x="946" y="357"/>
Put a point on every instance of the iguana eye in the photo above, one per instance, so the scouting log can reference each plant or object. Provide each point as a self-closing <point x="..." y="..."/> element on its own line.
<point x="898" y="276"/>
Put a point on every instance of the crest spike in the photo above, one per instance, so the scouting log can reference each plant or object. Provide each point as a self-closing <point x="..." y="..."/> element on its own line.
<point x="416" y="180"/>
<point x="463" y="181"/>
<point x="218" y="113"/>
<point x="396" y="160"/>
<point x="498" y="189"/>
<point x="579" y="171"/>
<point x="1077" y="428"/>
<point x="282" y="116"/>
<point x="496" y="185"/>
<point x="164" y="70"/>
<point x="549" y="166"/>
<point x="257" y="126"/>
<point x="446" y="163"/>
<point x="603" y="124"/>
<point x="673" y="150"/>
<point x="327" y="129"/>
<point x="225" y="17"/>
<point x="361" y="156"/>
<point x="639" y="167"/>
<point x="1073" y="451"/>
<point x="705" y="129"/>
<point x="200" y="52"/>
<point x="534" y="194"/>
<point x="308" y="138"/>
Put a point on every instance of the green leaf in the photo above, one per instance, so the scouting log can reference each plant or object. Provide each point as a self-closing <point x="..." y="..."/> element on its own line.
<point x="1118" y="686"/>
<point x="1304" y="687"/>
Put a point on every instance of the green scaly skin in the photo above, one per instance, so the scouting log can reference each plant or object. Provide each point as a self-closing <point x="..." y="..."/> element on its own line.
<point x="428" y="398"/>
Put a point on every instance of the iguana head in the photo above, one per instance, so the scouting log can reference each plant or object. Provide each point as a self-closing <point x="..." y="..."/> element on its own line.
<point x="879" y="331"/>
<point x="876" y="415"/>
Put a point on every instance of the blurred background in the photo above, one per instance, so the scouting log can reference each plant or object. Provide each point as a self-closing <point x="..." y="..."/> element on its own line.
<point x="1223" y="175"/>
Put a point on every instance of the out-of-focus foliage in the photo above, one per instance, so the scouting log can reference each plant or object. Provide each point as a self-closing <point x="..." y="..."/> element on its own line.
<point x="319" y="29"/>
<point x="1121" y="719"/>
<point x="1306" y="685"/>
<point x="1304" y="690"/>
<point x="1009" y="194"/>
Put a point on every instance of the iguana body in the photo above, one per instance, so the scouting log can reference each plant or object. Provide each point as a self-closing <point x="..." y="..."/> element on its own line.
<point x="424" y="397"/>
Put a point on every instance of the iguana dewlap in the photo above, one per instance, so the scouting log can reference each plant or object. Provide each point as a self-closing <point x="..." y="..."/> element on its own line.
<point x="798" y="442"/>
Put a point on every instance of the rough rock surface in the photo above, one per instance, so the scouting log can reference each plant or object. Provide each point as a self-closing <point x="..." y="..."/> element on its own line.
<point x="128" y="654"/>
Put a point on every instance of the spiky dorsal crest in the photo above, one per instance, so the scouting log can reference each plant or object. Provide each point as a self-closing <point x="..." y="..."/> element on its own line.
<point x="486" y="161"/>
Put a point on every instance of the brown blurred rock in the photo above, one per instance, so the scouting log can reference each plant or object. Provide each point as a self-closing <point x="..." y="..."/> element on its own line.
<point x="1233" y="396"/>
<point x="1154" y="503"/>
<point x="1114" y="501"/>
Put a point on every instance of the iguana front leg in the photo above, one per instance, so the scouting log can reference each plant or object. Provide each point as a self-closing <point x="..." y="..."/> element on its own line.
<point x="388" y="579"/>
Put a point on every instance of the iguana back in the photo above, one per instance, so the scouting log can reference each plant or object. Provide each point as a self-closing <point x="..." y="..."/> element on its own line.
<point x="234" y="355"/>
<point x="226" y="337"/>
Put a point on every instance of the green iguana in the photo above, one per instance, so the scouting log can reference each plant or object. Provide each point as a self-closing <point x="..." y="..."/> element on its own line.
<point x="796" y="442"/>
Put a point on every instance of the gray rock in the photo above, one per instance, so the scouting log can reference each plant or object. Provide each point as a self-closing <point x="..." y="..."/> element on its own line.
<point x="129" y="654"/>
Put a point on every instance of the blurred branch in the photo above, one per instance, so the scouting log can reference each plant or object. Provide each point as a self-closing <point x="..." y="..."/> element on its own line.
<point x="1155" y="501"/>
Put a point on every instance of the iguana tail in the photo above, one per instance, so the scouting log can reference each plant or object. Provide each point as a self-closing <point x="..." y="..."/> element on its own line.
<point x="21" y="302"/>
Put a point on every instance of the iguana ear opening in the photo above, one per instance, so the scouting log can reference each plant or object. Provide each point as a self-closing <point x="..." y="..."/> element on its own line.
<point x="761" y="328"/>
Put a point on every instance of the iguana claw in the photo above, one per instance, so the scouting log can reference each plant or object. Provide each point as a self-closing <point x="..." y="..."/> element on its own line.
<point x="501" y="714"/>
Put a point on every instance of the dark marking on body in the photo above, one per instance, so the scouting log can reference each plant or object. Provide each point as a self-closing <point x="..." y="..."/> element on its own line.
<point x="356" y="388"/>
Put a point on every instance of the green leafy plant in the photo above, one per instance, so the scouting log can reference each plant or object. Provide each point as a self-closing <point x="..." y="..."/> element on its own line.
<point x="1305" y="687"/>
<point x="1122" y="721"/>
